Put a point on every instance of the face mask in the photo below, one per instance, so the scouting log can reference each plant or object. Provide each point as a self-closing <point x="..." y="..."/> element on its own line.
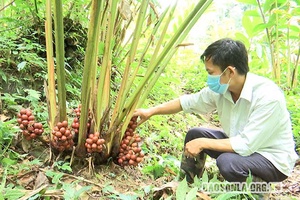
<point x="213" y="82"/>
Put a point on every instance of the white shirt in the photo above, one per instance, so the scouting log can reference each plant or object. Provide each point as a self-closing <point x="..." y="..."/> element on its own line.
<point x="258" y="121"/>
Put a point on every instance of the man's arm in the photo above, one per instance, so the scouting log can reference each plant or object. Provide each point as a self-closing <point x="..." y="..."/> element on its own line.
<point x="170" y="107"/>
<point x="194" y="147"/>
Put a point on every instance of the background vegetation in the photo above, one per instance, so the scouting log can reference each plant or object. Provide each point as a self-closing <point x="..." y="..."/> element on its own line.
<point x="270" y="30"/>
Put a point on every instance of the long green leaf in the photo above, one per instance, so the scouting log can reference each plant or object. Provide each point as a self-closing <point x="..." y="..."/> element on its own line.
<point x="184" y="28"/>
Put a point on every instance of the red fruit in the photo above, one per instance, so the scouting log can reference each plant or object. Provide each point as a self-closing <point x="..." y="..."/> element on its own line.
<point x="33" y="136"/>
<point x="67" y="132"/>
<point x="69" y="137"/>
<point x="28" y="113"/>
<point x="23" y="111"/>
<point x="134" y="126"/>
<point x="58" y="134"/>
<point x="128" y="156"/>
<point x="134" y="144"/>
<point x="89" y="141"/>
<point x="65" y="124"/>
<point x="138" y="150"/>
<point x="89" y="146"/>
<point x="131" y="162"/>
<point x="63" y="138"/>
<point x="25" y="133"/>
<point x="141" y="154"/>
<point x="62" y="130"/>
<point x="91" y="136"/>
<point x="102" y="141"/>
<point x="94" y="146"/>
<point x="139" y="159"/>
<point x="38" y="125"/>
<point x="25" y="122"/>
<point x="75" y="125"/>
<point x="120" y="160"/>
<point x="59" y="125"/>
<point x="56" y="128"/>
<point x="19" y="120"/>
<point x="126" y="141"/>
<point x="41" y="131"/>
<point x="24" y="117"/>
<point x="37" y="131"/>
<point x="133" y="157"/>
<point x="31" y="118"/>
<point x="95" y="139"/>
<point x="99" y="147"/>
<point x="22" y="126"/>
<point x="124" y="146"/>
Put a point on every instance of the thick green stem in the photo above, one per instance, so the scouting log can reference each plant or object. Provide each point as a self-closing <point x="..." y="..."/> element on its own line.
<point x="89" y="68"/>
<point x="103" y="93"/>
<point x="50" y="62"/>
<point x="60" y="64"/>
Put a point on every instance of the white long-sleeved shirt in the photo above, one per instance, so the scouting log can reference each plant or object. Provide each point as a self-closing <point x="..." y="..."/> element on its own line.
<point x="258" y="121"/>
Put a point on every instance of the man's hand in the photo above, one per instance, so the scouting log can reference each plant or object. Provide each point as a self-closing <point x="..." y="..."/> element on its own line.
<point x="144" y="115"/>
<point x="193" y="147"/>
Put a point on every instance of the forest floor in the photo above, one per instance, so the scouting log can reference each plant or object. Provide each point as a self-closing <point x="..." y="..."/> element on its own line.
<point x="111" y="181"/>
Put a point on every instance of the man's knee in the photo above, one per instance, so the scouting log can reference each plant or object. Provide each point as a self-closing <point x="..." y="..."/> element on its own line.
<point x="194" y="133"/>
<point x="230" y="168"/>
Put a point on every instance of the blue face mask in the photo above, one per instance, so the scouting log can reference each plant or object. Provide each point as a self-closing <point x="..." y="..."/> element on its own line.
<point x="213" y="82"/>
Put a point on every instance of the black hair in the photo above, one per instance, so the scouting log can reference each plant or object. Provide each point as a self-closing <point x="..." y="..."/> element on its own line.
<point x="225" y="52"/>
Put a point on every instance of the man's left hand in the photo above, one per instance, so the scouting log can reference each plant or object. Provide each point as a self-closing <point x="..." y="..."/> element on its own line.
<point x="193" y="148"/>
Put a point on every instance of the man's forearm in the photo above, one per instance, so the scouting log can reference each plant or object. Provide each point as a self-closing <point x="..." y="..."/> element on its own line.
<point x="222" y="145"/>
<point x="170" y="107"/>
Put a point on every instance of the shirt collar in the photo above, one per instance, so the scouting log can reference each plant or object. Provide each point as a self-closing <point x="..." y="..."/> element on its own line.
<point x="248" y="87"/>
<point x="246" y="91"/>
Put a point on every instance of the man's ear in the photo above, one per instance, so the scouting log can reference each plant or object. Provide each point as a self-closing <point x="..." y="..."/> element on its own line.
<point x="232" y="69"/>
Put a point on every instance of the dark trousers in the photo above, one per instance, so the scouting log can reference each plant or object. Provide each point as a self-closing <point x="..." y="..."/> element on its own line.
<point x="232" y="166"/>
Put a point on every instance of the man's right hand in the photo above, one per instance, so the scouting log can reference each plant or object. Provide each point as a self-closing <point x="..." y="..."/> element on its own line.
<point x="143" y="114"/>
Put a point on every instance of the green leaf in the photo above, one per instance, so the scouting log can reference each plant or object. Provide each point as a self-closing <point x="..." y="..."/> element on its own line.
<point x="8" y="162"/>
<point x="192" y="194"/>
<point x="205" y="177"/>
<point x="33" y="94"/>
<point x="241" y="37"/>
<point x="13" y="194"/>
<point x="182" y="190"/>
<point x="82" y="190"/>
<point x="227" y="196"/>
<point x="21" y="65"/>
<point x="252" y="2"/>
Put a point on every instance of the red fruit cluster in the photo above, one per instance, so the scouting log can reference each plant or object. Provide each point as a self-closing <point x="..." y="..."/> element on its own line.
<point x="130" y="152"/>
<point x="30" y="128"/>
<point x="62" y="137"/>
<point x="94" y="143"/>
<point x="75" y="124"/>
